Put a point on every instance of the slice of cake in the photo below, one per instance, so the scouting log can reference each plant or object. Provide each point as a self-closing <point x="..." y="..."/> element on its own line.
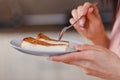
<point x="44" y="38"/>
<point x="44" y="44"/>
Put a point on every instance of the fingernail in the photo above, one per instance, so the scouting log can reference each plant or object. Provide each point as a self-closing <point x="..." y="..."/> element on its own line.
<point x="81" y="22"/>
<point x="81" y="14"/>
<point x="91" y="10"/>
<point x="76" y="46"/>
<point x="82" y="28"/>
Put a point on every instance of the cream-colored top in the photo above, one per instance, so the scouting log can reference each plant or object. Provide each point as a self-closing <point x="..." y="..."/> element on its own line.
<point x="115" y="38"/>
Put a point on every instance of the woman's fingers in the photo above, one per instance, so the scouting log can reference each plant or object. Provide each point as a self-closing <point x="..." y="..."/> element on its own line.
<point x="65" y="58"/>
<point x="82" y="10"/>
<point x="88" y="47"/>
<point x="91" y="16"/>
<point x="74" y="14"/>
<point x="82" y="21"/>
<point x="85" y="8"/>
<point x="80" y="24"/>
<point x="78" y="27"/>
<point x="72" y="20"/>
<point x="96" y="10"/>
<point x="82" y="63"/>
<point x="82" y="47"/>
<point x="79" y="10"/>
<point x="87" y="55"/>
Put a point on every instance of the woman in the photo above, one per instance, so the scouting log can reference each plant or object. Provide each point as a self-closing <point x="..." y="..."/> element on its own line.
<point x="101" y="59"/>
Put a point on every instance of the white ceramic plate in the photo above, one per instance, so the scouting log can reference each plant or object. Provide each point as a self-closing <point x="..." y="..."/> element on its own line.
<point x="16" y="44"/>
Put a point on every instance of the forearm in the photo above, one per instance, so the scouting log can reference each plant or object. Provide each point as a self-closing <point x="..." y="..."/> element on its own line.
<point x="102" y="41"/>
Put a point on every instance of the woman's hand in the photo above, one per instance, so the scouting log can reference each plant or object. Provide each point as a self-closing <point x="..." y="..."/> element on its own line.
<point x="90" y="25"/>
<point x="94" y="60"/>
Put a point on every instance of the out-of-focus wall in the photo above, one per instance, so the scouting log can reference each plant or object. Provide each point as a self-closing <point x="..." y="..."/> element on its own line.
<point x="45" y="6"/>
<point x="56" y="6"/>
<point x="15" y="10"/>
<point x="4" y="10"/>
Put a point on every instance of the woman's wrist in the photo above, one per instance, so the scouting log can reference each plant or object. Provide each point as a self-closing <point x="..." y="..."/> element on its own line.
<point x="102" y="41"/>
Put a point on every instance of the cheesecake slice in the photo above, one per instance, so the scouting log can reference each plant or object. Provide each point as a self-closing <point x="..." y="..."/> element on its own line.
<point x="44" y="43"/>
<point x="44" y="38"/>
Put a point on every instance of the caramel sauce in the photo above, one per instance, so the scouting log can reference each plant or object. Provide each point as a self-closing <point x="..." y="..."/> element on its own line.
<point x="35" y="41"/>
<point x="42" y="36"/>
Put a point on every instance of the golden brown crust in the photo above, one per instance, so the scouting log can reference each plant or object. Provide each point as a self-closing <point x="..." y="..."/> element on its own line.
<point x="35" y="41"/>
<point x="42" y="36"/>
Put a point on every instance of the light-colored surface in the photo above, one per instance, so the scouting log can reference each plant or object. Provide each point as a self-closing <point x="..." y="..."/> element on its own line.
<point x="15" y="65"/>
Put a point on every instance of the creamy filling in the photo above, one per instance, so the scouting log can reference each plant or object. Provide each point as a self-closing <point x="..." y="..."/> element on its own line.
<point x="54" y="42"/>
<point x="57" y="48"/>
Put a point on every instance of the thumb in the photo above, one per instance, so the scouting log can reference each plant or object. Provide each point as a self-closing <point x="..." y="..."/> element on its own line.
<point x="91" y="16"/>
<point x="82" y="47"/>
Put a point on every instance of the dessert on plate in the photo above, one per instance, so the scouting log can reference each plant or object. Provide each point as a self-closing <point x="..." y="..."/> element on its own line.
<point x="44" y="38"/>
<point x="44" y="43"/>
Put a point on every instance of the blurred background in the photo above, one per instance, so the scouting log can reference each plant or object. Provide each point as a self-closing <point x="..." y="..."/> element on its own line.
<point x="20" y="18"/>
